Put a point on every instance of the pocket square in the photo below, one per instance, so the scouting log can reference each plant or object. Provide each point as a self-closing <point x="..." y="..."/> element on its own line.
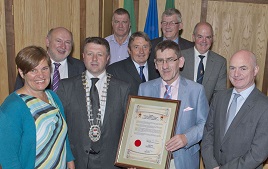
<point x="188" y="109"/>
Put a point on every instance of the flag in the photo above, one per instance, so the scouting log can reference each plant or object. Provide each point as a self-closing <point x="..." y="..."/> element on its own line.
<point x="129" y="6"/>
<point x="151" y="25"/>
<point x="169" y="4"/>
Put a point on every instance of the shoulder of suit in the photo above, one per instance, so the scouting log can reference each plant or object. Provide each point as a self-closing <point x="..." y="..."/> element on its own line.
<point x="117" y="81"/>
<point x="73" y="60"/>
<point x="217" y="56"/>
<point x="73" y="79"/>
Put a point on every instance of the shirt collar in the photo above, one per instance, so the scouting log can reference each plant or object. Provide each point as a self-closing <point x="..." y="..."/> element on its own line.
<point x="245" y="93"/>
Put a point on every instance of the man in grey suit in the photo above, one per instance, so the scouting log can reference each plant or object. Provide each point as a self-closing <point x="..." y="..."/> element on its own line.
<point x="215" y="72"/>
<point x="193" y="108"/>
<point x="235" y="134"/>
<point x="171" y="25"/>
<point x="59" y="42"/>
<point x="94" y="135"/>
<point x="131" y="69"/>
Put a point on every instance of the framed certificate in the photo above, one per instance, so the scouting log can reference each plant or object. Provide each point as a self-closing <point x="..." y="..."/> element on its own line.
<point x="149" y="123"/>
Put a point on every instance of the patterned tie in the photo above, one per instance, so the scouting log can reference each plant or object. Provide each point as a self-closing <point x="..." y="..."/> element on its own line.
<point x="231" y="112"/>
<point x="200" y="71"/>
<point x="167" y="94"/>
<point x="141" y="74"/>
<point x="56" y="77"/>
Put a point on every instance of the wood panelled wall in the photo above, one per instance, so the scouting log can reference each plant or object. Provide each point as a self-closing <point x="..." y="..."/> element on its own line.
<point x="237" y="25"/>
<point x="3" y="59"/>
<point x="33" y="19"/>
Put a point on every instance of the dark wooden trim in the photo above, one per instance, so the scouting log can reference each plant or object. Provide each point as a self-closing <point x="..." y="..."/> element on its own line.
<point x="265" y="74"/>
<point x="204" y="9"/>
<point x="83" y="25"/>
<point x="100" y="17"/>
<point x="136" y="11"/>
<point x="10" y="42"/>
<point x="245" y="1"/>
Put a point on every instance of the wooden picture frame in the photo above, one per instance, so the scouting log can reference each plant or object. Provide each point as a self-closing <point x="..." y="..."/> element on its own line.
<point x="149" y="123"/>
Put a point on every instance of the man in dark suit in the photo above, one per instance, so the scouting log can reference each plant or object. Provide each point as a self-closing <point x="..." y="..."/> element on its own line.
<point x="59" y="42"/>
<point x="129" y="70"/>
<point x="214" y="74"/>
<point x="235" y="134"/>
<point x="94" y="135"/>
<point x="171" y="24"/>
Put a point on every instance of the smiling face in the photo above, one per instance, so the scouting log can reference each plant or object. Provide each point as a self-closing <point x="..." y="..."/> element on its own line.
<point x="203" y="37"/>
<point x="171" y="31"/>
<point x="169" y="71"/>
<point x="38" y="78"/>
<point x="95" y="58"/>
<point x="59" y="44"/>
<point x="243" y="70"/>
<point x="139" y="50"/>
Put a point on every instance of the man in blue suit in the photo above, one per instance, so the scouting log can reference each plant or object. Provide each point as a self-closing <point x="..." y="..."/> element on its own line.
<point x="193" y="109"/>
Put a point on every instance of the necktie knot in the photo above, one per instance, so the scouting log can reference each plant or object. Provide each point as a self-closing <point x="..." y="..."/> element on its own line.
<point x="94" y="81"/>
<point x="167" y="94"/>
<point x="201" y="57"/>
<point x="57" y="65"/>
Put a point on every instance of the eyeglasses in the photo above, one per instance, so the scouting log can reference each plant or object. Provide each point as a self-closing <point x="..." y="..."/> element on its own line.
<point x="168" y="61"/>
<point x="172" y="23"/>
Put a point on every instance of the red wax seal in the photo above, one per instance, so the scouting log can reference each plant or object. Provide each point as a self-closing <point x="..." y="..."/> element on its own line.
<point x="137" y="143"/>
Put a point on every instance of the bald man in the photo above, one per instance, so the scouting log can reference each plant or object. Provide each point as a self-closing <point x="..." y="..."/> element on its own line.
<point x="235" y="134"/>
<point x="59" y="42"/>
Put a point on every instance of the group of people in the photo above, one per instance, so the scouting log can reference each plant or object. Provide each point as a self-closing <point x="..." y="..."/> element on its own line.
<point x="65" y="113"/>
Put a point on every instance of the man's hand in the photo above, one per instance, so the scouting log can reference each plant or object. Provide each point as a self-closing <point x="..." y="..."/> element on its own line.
<point x="176" y="142"/>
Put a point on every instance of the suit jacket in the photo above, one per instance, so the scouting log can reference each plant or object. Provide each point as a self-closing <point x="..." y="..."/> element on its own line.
<point x="244" y="146"/>
<point x="183" y="43"/>
<point x="75" y="67"/>
<point x="72" y="94"/>
<point x="190" y="122"/>
<point x="125" y="70"/>
<point x="215" y="77"/>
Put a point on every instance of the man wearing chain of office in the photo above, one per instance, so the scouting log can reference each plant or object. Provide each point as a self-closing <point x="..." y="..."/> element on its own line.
<point x="94" y="103"/>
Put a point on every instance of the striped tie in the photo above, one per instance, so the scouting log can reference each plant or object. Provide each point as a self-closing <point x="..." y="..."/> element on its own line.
<point x="56" y="77"/>
<point x="167" y="94"/>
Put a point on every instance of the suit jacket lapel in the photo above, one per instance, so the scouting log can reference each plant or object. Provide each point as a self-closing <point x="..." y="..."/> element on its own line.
<point x="242" y="113"/>
<point x="130" y="67"/>
<point x="209" y="68"/>
<point x="182" y="94"/>
<point x="223" y="110"/>
<point x="152" y="72"/>
<point x="190" y="62"/>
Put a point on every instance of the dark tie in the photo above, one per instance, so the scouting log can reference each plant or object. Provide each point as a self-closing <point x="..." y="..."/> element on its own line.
<point x="56" y="77"/>
<point x="231" y="112"/>
<point x="141" y="74"/>
<point x="200" y="70"/>
<point x="167" y="94"/>
<point x="94" y="98"/>
<point x="95" y="105"/>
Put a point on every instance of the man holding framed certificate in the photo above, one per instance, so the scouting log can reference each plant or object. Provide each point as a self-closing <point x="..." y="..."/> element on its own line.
<point x="193" y="108"/>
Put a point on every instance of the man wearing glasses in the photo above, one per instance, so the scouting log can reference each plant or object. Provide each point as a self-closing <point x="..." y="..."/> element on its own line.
<point x="193" y="108"/>
<point x="171" y="25"/>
